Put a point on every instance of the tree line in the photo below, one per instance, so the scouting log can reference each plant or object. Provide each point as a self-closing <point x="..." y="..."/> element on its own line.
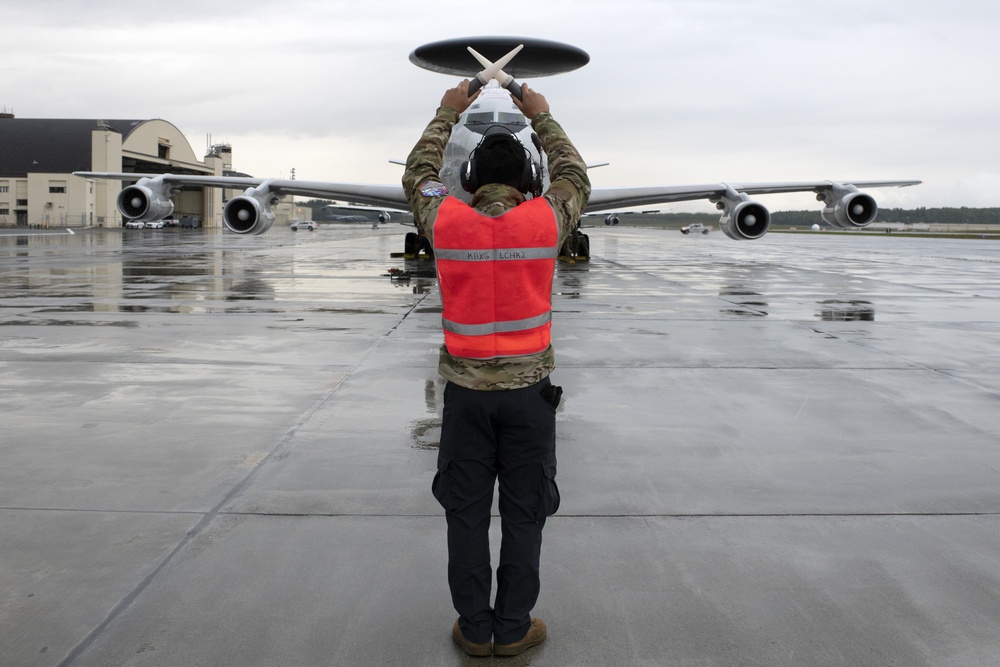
<point x="963" y="215"/>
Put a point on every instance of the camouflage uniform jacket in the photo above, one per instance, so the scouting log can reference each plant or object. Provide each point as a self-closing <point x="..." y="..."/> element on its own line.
<point x="567" y="194"/>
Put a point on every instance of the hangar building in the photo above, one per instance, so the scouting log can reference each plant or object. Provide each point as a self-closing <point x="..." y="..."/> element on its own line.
<point x="39" y="155"/>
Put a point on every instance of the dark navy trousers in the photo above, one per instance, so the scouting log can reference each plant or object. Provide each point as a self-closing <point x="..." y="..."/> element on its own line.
<point x="486" y="436"/>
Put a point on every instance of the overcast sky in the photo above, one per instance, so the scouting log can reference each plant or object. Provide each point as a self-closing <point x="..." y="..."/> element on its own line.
<point x="676" y="92"/>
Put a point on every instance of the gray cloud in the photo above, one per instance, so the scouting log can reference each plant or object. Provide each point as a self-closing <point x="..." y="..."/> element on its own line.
<point x="676" y="92"/>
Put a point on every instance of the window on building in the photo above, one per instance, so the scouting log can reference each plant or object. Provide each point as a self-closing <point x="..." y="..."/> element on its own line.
<point x="4" y="188"/>
<point x="57" y="188"/>
<point x="164" y="152"/>
<point x="22" y="202"/>
<point x="4" y="211"/>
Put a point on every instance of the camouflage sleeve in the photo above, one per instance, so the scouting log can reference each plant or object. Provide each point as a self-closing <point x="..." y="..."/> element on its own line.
<point x="423" y="167"/>
<point x="570" y="186"/>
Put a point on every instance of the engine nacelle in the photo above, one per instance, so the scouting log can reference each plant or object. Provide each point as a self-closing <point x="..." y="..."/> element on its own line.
<point x="384" y="217"/>
<point x="250" y="213"/>
<point x="846" y="208"/>
<point x="147" y="200"/>
<point x="742" y="218"/>
<point x="612" y="220"/>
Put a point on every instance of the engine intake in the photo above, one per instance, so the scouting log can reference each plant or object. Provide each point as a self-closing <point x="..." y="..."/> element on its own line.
<point x="742" y="218"/>
<point x="145" y="202"/>
<point x="846" y="208"/>
<point x="250" y="213"/>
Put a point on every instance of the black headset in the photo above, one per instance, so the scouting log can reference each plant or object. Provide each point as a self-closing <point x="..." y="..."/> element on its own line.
<point x="530" y="180"/>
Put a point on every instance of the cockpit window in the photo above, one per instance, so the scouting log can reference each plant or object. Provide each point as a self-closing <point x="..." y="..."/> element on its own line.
<point x="474" y="119"/>
<point x="482" y="121"/>
<point x="511" y="120"/>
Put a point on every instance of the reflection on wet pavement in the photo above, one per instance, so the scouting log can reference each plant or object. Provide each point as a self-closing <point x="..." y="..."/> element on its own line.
<point x="241" y="433"/>
<point x="183" y="271"/>
<point x="202" y="271"/>
<point x="426" y="432"/>
<point x="846" y="311"/>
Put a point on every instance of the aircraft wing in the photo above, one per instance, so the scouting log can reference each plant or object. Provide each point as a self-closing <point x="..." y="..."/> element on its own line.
<point x="249" y="213"/>
<point x="380" y="196"/>
<point x="742" y="218"/>
<point x="611" y="199"/>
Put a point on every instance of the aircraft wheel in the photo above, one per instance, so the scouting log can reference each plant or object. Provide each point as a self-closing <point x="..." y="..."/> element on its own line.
<point x="424" y="246"/>
<point x="410" y="244"/>
<point x="583" y="246"/>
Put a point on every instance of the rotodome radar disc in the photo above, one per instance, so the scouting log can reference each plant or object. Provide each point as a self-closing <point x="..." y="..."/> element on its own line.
<point x="540" y="57"/>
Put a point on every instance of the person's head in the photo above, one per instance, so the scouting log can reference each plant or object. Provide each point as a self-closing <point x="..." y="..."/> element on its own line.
<point x="501" y="158"/>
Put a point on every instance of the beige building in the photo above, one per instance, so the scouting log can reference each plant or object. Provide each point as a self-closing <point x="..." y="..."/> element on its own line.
<point x="38" y="157"/>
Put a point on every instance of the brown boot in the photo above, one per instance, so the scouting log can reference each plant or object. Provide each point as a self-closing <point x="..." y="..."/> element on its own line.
<point x="470" y="648"/>
<point x="534" y="637"/>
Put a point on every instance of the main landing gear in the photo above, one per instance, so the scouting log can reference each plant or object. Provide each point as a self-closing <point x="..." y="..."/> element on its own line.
<point x="415" y="246"/>
<point x="576" y="248"/>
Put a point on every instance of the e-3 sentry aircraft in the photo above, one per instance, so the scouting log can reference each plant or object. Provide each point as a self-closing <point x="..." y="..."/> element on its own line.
<point x="494" y="64"/>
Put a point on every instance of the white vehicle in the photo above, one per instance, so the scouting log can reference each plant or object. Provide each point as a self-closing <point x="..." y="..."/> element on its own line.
<point x="695" y="228"/>
<point x="156" y="224"/>
<point x="303" y="224"/>
<point x="135" y="224"/>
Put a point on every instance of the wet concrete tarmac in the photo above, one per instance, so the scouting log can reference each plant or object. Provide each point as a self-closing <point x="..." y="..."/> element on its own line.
<point x="218" y="451"/>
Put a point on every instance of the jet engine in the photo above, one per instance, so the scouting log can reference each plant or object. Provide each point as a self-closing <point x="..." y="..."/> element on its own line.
<point x="612" y="219"/>
<point x="742" y="218"/>
<point x="384" y="217"/>
<point x="147" y="200"/>
<point x="250" y="213"/>
<point x="846" y="208"/>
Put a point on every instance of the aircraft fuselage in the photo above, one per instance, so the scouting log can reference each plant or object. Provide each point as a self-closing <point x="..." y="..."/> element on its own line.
<point x="493" y="107"/>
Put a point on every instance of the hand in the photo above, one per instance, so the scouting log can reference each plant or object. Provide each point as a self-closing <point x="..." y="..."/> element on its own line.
<point x="458" y="97"/>
<point x="531" y="103"/>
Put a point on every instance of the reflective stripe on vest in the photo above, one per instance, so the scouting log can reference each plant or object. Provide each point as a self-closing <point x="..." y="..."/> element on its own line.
<point x="495" y="276"/>
<point x="495" y="254"/>
<point x="496" y="327"/>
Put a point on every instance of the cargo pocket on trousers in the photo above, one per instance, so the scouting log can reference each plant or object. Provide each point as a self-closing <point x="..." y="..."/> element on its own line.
<point x="550" y="491"/>
<point x="441" y="487"/>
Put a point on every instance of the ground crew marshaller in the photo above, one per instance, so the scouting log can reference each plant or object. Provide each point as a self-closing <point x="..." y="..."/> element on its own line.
<point x="495" y="264"/>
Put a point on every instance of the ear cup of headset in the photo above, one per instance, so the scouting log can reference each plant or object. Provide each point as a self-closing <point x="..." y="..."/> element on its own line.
<point x="467" y="176"/>
<point x="531" y="177"/>
<point x="524" y="184"/>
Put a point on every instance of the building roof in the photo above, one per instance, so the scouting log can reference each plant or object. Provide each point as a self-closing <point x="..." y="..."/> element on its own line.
<point x="51" y="145"/>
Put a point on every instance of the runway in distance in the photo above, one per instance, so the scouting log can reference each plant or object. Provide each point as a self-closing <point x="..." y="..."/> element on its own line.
<point x="503" y="60"/>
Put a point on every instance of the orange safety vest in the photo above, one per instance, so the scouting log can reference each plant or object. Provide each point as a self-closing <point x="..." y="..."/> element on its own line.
<point x="495" y="276"/>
